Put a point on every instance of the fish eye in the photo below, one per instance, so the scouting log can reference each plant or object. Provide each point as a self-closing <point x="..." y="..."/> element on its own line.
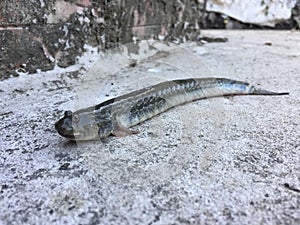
<point x="76" y="118"/>
<point x="68" y="113"/>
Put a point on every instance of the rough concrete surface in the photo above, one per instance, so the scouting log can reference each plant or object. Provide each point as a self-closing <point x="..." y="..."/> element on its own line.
<point x="219" y="161"/>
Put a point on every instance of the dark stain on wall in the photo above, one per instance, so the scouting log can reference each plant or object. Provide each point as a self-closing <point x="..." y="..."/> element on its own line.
<point x="39" y="34"/>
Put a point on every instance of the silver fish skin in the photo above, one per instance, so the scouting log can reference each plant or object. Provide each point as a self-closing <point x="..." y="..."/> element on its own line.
<point x="116" y="115"/>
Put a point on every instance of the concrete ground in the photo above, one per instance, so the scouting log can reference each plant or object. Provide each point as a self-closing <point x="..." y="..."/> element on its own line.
<point x="218" y="161"/>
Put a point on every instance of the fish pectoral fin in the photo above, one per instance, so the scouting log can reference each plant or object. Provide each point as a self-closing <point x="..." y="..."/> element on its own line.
<point x="121" y="131"/>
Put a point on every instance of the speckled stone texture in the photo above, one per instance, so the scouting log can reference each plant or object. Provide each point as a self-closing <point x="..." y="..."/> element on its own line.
<point x="219" y="161"/>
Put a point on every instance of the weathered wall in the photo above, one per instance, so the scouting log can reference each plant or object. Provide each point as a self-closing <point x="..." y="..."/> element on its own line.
<point x="36" y="35"/>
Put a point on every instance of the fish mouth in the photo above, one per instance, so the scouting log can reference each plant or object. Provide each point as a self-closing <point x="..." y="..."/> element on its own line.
<point x="64" y="128"/>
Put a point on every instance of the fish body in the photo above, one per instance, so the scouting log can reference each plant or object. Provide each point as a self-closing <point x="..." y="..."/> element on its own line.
<point x="116" y="115"/>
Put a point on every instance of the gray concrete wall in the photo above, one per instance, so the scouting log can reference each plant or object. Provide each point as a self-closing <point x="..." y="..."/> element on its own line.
<point x="39" y="34"/>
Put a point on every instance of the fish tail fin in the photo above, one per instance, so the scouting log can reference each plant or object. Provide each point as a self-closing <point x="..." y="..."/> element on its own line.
<point x="265" y="92"/>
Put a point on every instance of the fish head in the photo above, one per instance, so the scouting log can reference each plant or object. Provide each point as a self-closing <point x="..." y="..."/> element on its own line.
<point x="78" y="126"/>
